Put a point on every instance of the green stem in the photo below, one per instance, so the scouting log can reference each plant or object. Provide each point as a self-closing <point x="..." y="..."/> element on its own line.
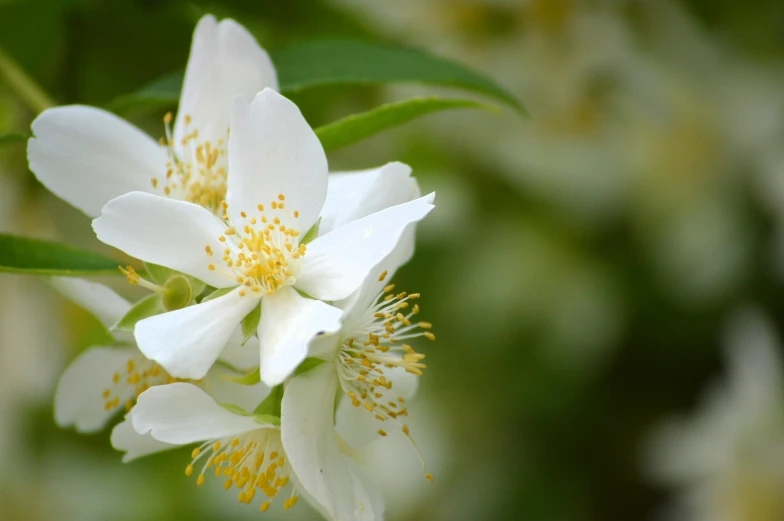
<point x="24" y="86"/>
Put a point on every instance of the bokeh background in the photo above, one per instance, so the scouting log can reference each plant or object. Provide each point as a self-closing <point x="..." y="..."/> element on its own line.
<point x="581" y="267"/>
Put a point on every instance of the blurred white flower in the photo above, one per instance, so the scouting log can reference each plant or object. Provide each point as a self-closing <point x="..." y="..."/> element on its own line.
<point x="727" y="462"/>
<point x="88" y="156"/>
<point x="276" y="189"/>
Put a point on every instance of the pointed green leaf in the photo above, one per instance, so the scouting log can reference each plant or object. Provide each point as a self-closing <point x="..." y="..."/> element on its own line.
<point x="147" y="307"/>
<point x="251" y="378"/>
<point x="340" y="62"/>
<point x="40" y="257"/>
<point x="333" y="62"/>
<point x="271" y="404"/>
<point x="251" y="323"/>
<point x="160" y="93"/>
<point x="357" y="127"/>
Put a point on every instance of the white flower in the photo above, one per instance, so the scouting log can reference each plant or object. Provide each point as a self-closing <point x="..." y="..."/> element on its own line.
<point x="728" y="460"/>
<point x="240" y="449"/>
<point x="370" y="360"/>
<point x="277" y="186"/>
<point x="88" y="156"/>
<point x="103" y="380"/>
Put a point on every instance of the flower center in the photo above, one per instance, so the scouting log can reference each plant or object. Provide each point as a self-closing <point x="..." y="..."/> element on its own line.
<point x="196" y="170"/>
<point x="253" y="460"/>
<point x="263" y="254"/>
<point x="377" y="343"/>
<point x="137" y="376"/>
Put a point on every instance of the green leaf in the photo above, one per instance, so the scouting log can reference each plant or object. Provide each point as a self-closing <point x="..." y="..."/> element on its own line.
<point x="356" y="127"/>
<point x="160" y="93"/>
<point x="271" y="404"/>
<point x="250" y="324"/>
<point x="332" y="62"/>
<point x="147" y="307"/>
<point x="312" y="233"/>
<point x="308" y="364"/>
<point x="340" y="62"/>
<point x="12" y="137"/>
<point x="252" y="378"/>
<point x="40" y="257"/>
<point x="217" y="293"/>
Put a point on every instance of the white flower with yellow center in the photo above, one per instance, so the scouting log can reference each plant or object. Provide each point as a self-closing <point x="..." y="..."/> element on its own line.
<point x="88" y="156"/>
<point x="104" y="380"/>
<point x="243" y="451"/>
<point x="727" y="461"/>
<point x="277" y="186"/>
<point x="371" y="361"/>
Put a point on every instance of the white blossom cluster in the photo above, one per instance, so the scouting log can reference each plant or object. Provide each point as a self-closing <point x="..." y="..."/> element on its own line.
<point x="270" y="302"/>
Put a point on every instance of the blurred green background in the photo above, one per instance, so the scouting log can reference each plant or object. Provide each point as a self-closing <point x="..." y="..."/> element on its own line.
<point x="579" y="267"/>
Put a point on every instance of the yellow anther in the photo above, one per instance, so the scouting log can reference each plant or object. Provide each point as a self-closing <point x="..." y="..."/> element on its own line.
<point x="382" y="276"/>
<point x="429" y="477"/>
<point x="382" y="432"/>
<point x="200" y="480"/>
<point x="264" y="506"/>
<point x="429" y="335"/>
<point x="167" y="118"/>
<point x="189" y="470"/>
<point x="389" y="288"/>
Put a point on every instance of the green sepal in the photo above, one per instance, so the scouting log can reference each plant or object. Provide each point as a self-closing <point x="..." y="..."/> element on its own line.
<point x="312" y="233"/>
<point x="271" y="404"/>
<point x="251" y="378"/>
<point x="217" y="293"/>
<point x="308" y="364"/>
<point x="149" y="306"/>
<point x="250" y="324"/>
<point x="267" y="419"/>
<point x="159" y="274"/>
<point x="236" y="409"/>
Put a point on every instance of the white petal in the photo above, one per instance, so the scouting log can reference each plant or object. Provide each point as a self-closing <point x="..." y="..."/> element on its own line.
<point x="337" y="263"/>
<point x="126" y="439"/>
<point x="101" y="301"/>
<point x="313" y="451"/>
<point x="355" y="306"/>
<point x="356" y="425"/>
<point x="353" y="195"/>
<point x="78" y="400"/>
<point x="288" y="323"/>
<point x="181" y="413"/>
<point x="272" y="151"/>
<point x="163" y="231"/>
<point x="88" y="156"/>
<point x="223" y="390"/>
<point x="187" y="341"/>
<point x="225" y="61"/>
